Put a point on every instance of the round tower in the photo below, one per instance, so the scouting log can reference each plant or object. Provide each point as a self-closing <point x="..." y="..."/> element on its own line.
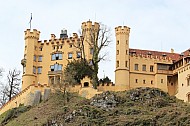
<point x="89" y="33"/>
<point x="122" y="57"/>
<point x="30" y="57"/>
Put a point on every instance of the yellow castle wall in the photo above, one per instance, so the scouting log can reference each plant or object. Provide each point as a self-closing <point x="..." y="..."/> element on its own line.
<point x="54" y="45"/>
<point x="21" y="98"/>
<point x="183" y="87"/>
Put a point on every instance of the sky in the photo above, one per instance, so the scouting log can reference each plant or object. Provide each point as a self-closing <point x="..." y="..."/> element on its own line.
<point x="155" y="25"/>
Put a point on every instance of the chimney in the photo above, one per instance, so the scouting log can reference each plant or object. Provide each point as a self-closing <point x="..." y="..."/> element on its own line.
<point x="63" y="34"/>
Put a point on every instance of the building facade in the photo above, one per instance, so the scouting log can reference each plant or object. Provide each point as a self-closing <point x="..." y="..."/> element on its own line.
<point x="168" y="71"/>
<point x="44" y="62"/>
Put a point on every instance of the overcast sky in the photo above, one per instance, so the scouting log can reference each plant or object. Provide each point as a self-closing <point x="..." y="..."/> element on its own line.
<point x="155" y="24"/>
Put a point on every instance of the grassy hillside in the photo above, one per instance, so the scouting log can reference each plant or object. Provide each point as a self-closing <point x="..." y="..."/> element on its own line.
<point x="141" y="106"/>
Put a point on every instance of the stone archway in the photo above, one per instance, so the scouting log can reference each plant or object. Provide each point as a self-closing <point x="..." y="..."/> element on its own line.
<point x="86" y="84"/>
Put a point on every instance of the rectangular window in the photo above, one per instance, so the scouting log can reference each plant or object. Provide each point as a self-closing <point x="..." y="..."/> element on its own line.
<point x="52" y="67"/>
<point x="117" y="52"/>
<point x="162" y="80"/>
<point x="126" y="64"/>
<point x="70" y="55"/>
<point x="39" y="58"/>
<point x="57" y="56"/>
<point x="24" y="56"/>
<point x="70" y="46"/>
<point x="34" y="69"/>
<point x="78" y="54"/>
<point x="126" y="52"/>
<point x="40" y="48"/>
<point x="151" y="81"/>
<point x="24" y="70"/>
<point x="188" y="81"/>
<point x="136" y="80"/>
<point x="143" y="67"/>
<point x="136" y="67"/>
<point x="117" y="42"/>
<point x="56" y="67"/>
<point x="39" y="70"/>
<point x="151" y="68"/>
<point x="117" y="64"/>
<point x="144" y="81"/>
<point x="34" y="57"/>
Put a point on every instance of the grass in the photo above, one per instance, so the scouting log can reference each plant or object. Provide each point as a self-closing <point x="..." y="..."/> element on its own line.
<point x="143" y="106"/>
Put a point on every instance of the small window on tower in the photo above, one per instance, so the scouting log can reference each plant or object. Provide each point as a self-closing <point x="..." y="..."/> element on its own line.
<point x="39" y="70"/>
<point x="126" y="64"/>
<point x="117" y="64"/>
<point x="162" y="80"/>
<point x="127" y="42"/>
<point x="40" y="58"/>
<point x="78" y="54"/>
<point x="70" y="46"/>
<point x="70" y="55"/>
<point x="40" y="48"/>
<point x="34" y="69"/>
<point x="117" y="52"/>
<point x="144" y="81"/>
<point x="151" y="81"/>
<point x="151" y="68"/>
<point x="34" y="57"/>
<point x="117" y="42"/>
<point x="126" y="52"/>
<point x="136" y="80"/>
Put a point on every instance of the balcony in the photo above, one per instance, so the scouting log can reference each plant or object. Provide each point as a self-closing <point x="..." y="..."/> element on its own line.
<point x="59" y="72"/>
<point x="23" y="62"/>
<point x="168" y="72"/>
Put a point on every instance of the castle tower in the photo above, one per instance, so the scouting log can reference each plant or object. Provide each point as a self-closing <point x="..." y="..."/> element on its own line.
<point x="29" y="60"/>
<point x="89" y="32"/>
<point x="122" y="57"/>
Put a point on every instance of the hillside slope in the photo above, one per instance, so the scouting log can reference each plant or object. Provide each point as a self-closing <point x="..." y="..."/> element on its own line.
<point x="141" y="106"/>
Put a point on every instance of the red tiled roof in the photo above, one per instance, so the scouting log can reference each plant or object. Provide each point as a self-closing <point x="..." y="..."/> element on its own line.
<point x="173" y="56"/>
<point x="186" y="53"/>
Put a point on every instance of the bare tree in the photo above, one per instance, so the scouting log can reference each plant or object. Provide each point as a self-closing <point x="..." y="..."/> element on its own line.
<point x="99" y="39"/>
<point x="1" y="71"/>
<point x="3" y="96"/>
<point x="13" y="86"/>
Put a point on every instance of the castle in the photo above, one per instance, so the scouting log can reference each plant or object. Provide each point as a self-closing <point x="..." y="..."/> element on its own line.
<point x="44" y="62"/>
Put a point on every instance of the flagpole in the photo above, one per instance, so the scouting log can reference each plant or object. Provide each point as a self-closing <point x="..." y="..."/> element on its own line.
<point x="30" y="21"/>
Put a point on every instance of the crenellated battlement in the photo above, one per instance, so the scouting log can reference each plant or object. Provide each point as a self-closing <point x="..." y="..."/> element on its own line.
<point x="59" y="41"/>
<point x="88" y="25"/>
<point x="153" y="57"/>
<point x="122" y="30"/>
<point x="32" y="34"/>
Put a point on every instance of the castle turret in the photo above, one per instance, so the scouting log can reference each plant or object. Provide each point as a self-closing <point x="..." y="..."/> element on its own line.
<point x="29" y="61"/>
<point x="89" y="33"/>
<point x="122" y="56"/>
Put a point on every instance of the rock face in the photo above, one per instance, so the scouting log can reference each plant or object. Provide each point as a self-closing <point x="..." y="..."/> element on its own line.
<point x="136" y="107"/>
<point x="106" y="100"/>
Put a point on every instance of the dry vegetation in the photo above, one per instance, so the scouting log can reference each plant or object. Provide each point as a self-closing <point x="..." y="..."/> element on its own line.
<point x="141" y="106"/>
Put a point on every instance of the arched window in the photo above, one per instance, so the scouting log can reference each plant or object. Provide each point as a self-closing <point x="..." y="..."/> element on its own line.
<point x="188" y="97"/>
<point x="86" y="84"/>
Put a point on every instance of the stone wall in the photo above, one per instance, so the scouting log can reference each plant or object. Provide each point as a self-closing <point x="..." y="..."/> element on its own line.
<point x="29" y="96"/>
